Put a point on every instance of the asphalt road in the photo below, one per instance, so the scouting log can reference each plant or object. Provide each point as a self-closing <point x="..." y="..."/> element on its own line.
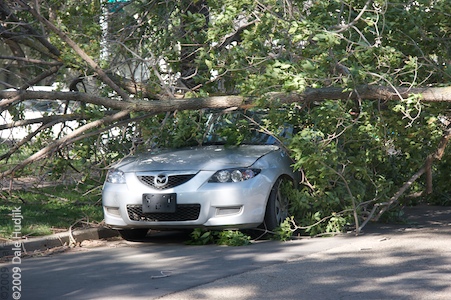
<point x="411" y="261"/>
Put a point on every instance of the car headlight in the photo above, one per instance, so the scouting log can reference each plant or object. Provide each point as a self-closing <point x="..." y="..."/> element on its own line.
<point x="234" y="175"/>
<point x="115" y="176"/>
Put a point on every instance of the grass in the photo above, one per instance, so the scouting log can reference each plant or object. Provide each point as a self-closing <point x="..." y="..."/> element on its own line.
<point x="48" y="210"/>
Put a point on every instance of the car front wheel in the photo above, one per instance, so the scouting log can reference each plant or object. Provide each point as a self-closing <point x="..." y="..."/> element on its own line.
<point x="277" y="207"/>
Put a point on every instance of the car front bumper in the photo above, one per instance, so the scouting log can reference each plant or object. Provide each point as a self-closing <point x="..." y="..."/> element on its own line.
<point x="199" y="203"/>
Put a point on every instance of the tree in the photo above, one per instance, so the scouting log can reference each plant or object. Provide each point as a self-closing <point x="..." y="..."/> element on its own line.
<point x="128" y="64"/>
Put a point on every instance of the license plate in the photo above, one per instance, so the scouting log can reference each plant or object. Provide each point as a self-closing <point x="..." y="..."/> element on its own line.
<point x="159" y="203"/>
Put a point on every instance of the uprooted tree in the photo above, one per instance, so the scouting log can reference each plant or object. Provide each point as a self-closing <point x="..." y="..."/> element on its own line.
<point x="365" y="82"/>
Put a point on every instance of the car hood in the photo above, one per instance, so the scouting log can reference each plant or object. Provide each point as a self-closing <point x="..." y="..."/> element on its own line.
<point x="196" y="158"/>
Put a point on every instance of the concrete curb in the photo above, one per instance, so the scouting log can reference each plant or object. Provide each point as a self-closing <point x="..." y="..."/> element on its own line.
<point x="56" y="240"/>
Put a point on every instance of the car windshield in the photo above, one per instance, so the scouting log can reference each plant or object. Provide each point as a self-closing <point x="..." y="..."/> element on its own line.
<point x="239" y="128"/>
<point x="253" y="137"/>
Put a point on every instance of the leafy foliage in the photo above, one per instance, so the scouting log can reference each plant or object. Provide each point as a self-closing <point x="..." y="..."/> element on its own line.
<point x="226" y="237"/>
<point x="356" y="160"/>
<point x="353" y="154"/>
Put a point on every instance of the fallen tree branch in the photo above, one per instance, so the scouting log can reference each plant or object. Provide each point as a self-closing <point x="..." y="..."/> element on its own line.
<point x="46" y="151"/>
<point x="310" y="95"/>
<point x="77" y="49"/>
<point x="351" y="196"/>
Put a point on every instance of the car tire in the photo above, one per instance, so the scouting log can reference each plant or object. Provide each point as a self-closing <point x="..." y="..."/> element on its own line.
<point x="277" y="207"/>
<point x="133" y="234"/>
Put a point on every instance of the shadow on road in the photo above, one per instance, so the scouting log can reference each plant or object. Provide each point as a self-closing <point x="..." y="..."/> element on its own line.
<point x="410" y="261"/>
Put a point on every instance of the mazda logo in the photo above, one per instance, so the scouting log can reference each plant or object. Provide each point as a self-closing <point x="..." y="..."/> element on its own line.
<point x="161" y="180"/>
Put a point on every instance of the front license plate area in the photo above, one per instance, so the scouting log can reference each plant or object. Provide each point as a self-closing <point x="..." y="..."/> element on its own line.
<point x="159" y="203"/>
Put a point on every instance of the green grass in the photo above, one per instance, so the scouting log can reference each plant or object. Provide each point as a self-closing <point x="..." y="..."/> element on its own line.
<point x="51" y="209"/>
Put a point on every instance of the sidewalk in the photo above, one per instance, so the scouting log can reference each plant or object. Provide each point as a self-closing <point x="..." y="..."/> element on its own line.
<point x="63" y="239"/>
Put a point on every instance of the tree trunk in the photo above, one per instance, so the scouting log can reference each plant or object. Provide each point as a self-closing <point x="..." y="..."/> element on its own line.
<point x="189" y="38"/>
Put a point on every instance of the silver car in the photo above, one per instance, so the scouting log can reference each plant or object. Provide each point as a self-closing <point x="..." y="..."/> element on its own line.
<point x="211" y="186"/>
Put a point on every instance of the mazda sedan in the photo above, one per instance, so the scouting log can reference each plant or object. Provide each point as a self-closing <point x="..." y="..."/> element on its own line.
<point x="213" y="185"/>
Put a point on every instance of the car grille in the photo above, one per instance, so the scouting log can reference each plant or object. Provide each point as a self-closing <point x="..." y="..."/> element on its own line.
<point x="184" y="212"/>
<point x="173" y="181"/>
